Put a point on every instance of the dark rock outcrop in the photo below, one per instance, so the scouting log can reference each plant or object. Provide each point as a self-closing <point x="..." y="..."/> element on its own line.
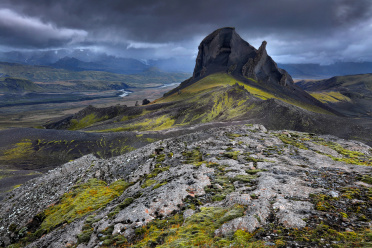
<point x="225" y="51"/>
<point x="220" y="50"/>
<point x="263" y="68"/>
<point x="145" y="101"/>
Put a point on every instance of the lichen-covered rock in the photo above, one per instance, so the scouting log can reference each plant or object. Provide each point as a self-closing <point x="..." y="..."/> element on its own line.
<point x="236" y="179"/>
<point x="188" y="213"/>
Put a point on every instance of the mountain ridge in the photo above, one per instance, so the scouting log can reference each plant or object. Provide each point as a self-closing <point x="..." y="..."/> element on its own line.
<point x="113" y="65"/>
<point x="225" y="51"/>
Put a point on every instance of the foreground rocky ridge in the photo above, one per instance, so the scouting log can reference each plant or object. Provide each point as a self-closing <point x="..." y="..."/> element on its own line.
<point x="236" y="185"/>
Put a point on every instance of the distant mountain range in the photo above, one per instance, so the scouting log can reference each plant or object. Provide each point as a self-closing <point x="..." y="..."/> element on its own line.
<point x="50" y="74"/>
<point x="80" y="60"/>
<point x="86" y="60"/>
<point x="316" y="71"/>
<point x="112" y="64"/>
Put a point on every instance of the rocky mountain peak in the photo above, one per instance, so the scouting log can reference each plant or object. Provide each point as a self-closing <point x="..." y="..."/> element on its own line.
<point x="225" y="51"/>
<point x="220" y="50"/>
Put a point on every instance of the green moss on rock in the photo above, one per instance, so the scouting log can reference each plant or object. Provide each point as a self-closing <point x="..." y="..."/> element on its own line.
<point x="81" y="200"/>
<point x="148" y="183"/>
<point x="192" y="156"/>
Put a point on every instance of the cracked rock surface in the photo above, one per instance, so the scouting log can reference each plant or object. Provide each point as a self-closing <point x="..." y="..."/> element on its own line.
<point x="269" y="184"/>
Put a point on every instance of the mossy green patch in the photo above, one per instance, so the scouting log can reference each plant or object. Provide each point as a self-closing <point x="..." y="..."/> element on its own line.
<point x="84" y="236"/>
<point x="19" y="151"/>
<point x="351" y="193"/>
<point x="192" y="156"/>
<point x="233" y="135"/>
<point x="330" y="97"/>
<point x="154" y="124"/>
<point x="150" y="140"/>
<point x="323" y="234"/>
<point x="322" y="202"/>
<point x="221" y="185"/>
<point x="292" y="139"/>
<point x="244" y="178"/>
<point x="83" y="199"/>
<point x="225" y="107"/>
<point x="213" y="81"/>
<point x="254" y="171"/>
<point x="148" y="183"/>
<point x="231" y="155"/>
<point x="160" y="184"/>
<point x="352" y="203"/>
<point x="195" y="231"/>
<point x="348" y="156"/>
<point x="86" y="121"/>
<point x="366" y="179"/>
<point x="236" y="212"/>
<point x="157" y="171"/>
<point x="160" y="158"/>
<point x="241" y="238"/>
<point x="252" y="159"/>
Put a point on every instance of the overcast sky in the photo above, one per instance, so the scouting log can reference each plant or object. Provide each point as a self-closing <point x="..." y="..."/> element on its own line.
<point x="297" y="31"/>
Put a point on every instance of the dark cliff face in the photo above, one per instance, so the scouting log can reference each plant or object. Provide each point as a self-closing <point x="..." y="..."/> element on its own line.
<point x="225" y="51"/>
<point x="220" y="50"/>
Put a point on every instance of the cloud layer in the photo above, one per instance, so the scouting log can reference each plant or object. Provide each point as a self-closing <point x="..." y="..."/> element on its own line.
<point x="320" y="31"/>
<point x="29" y="32"/>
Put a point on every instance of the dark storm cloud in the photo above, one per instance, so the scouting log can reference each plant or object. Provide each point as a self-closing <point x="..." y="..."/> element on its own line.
<point x="307" y="29"/>
<point x="21" y="31"/>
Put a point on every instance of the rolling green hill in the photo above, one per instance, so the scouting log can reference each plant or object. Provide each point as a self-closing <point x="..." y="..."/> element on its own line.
<point x="224" y="80"/>
<point x="350" y="95"/>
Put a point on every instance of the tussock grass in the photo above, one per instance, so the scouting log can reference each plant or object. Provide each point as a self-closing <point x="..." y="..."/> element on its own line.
<point x="83" y="199"/>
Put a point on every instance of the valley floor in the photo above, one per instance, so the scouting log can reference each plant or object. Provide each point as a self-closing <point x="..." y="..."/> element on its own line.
<point x="33" y="115"/>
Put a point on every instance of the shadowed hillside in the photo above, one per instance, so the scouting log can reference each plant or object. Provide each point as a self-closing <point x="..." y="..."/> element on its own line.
<point x="350" y="95"/>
